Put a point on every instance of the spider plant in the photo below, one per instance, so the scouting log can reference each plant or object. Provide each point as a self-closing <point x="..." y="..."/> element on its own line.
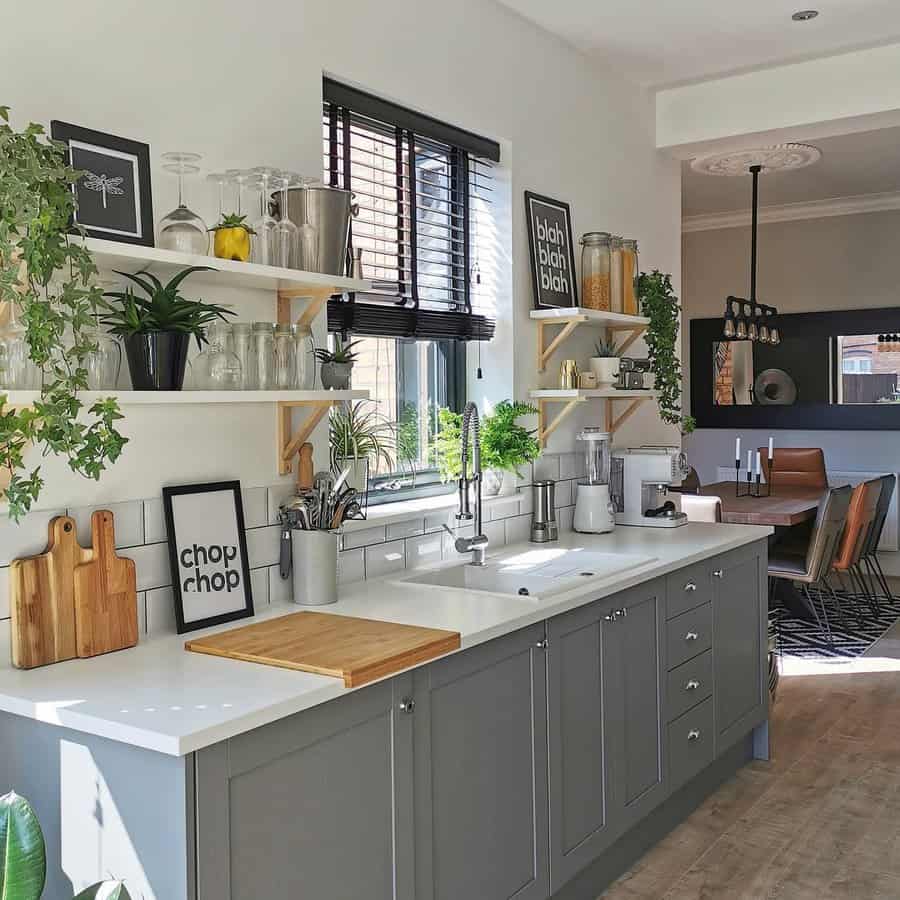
<point x="358" y="431"/>
<point x="342" y="353"/>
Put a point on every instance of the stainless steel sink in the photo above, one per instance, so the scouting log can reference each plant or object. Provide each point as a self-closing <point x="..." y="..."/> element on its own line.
<point x="532" y="574"/>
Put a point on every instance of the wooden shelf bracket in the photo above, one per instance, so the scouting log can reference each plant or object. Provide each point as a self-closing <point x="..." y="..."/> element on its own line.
<point x="544" y="353"/>
<point x="547" y="426"/>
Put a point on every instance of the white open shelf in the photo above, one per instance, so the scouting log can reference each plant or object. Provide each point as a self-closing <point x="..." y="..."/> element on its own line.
<point x="592" y="316"/>
<point x="592" y="393"/>
<point x="113" y="255"/>
<point x="196" y="398"/>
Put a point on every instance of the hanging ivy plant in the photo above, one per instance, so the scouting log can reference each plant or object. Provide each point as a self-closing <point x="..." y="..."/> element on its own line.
<point x="660" y="304"/>
<point x="51" y="280"/>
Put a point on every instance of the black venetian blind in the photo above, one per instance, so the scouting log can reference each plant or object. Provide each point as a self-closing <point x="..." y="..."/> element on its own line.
<point x="421" y="187"/>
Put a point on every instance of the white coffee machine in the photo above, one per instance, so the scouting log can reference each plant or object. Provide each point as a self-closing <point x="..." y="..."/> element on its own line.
<point x="640" y="479"/>
<point x="594" y="511"/>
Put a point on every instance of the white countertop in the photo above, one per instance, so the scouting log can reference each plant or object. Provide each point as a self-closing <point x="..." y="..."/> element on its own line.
<point x="161" y="697"/>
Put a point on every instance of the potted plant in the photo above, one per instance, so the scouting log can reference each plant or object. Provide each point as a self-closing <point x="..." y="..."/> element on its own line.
<point x="337" y="364"/>
<point x="157" y="329"/>
<point x="605" y="362"/>
<point x="660" y="304"/>
<point x="23" y="856"/>
<point x="359" y="436"/>
<point x="51" y="280"/>
<point x="232" y="238"/>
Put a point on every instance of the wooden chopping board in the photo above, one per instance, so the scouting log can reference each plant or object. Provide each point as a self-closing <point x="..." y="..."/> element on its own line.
<point x="357" y="650"/>
<point x="42" y="599"/>
<point x="105" y="594"/>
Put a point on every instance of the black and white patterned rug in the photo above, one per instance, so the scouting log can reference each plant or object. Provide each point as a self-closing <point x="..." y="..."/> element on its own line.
<point x="805" y="640"/>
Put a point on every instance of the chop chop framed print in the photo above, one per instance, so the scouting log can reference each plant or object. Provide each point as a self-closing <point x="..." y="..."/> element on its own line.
<point x="208" y="554"/>
<point x="552" y="252"/>
<point x="113" y="192"/>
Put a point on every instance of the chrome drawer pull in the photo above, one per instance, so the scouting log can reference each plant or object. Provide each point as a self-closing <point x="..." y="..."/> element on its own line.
<point x="718" y="573"/>
<point x="690" y="586"/>
<point x="692" y="685"/>
<point x="694" y="734"/>
<point x="691" y="636"/>
<point x="407" y="705"/>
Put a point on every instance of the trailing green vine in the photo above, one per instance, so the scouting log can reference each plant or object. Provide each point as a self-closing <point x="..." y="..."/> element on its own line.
<point x="660" y="304"/>
<point x="50" y="279"/>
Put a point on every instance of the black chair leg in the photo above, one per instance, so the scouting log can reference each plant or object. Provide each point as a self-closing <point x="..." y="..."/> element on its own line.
<point x="826" y="630"/>
<point x="851" y="594"/>
<point x="870" y="598"/>
<point x="871" y="581"/>
<point x="882" y="578"/>
<point x="838" y="605"/>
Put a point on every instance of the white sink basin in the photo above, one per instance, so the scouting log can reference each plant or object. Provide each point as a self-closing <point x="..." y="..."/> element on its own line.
<point x="532" y="574"/>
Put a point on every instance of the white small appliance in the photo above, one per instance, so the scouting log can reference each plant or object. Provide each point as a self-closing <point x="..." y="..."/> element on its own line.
<point x="594" y="510"/>
<point x="640" y="478"/>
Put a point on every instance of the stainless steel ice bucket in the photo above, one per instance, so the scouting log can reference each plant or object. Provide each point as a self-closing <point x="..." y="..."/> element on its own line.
<point x="328" y="210"/>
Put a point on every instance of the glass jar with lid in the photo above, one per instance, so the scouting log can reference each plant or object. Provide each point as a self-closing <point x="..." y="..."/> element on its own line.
<point x="616" y="290"/>
<point x="242" y="345"/>
<point x="217" y="368"/>
<point x="304" y="359"/>
<point x="630" y="272"/>
<point x="285" y="368"/>
<point x="595" y="268"/>
<point x="263" y="356"/>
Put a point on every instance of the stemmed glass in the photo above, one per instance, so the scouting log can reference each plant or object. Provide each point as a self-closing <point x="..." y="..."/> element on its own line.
<point x="263" y="251"/>
<point x="17" y="371"/>
<point x="287" y="234"/>
<point x="308" y="256"/>
<point x="221" y="179"/>
<point x="239" y="178"/>
<point x="182" y="229"/>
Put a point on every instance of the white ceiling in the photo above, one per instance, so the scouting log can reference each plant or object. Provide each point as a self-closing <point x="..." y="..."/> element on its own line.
<point x="660" y="42"/>
<point x="852" y="165"/>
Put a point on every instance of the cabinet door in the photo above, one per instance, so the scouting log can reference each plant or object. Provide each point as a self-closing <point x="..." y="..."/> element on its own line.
<point x="481" y="773"/>
<point x="316" y="805"/>
<point x="739" y="642"/>
<point x="579" y="653"/>
<point x="638" y="682"/>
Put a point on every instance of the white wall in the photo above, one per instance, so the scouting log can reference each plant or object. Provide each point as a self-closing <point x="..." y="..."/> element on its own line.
<point x="242" y="85"/>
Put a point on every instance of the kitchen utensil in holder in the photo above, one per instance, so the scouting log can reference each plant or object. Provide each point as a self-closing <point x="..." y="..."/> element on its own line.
<point x="314" y="564"/>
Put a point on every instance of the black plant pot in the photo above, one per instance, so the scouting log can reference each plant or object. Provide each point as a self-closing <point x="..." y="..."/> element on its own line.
<point x="157" y="360"/>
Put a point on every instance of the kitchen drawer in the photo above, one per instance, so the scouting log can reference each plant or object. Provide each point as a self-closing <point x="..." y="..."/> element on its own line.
<point x="690" y="744"/>
<point x="688" y="588"/>
<point x="689" y="635"/>
<point x="688" y="684"/>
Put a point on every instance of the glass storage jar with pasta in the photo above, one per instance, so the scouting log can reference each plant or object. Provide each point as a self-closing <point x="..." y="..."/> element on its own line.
<point x="595" y="268"/>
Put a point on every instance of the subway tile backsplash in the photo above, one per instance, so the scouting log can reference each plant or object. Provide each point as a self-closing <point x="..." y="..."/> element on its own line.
<point x="368" y="552"/>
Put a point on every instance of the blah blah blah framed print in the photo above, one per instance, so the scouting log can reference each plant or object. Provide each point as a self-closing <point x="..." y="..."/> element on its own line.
<point x="113" y="193"/>
<point x="208" y="554"/>
<point x="552" y="252"/>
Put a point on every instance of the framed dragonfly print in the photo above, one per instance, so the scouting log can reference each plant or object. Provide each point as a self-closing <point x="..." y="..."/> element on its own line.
<point x="113" y="192"/>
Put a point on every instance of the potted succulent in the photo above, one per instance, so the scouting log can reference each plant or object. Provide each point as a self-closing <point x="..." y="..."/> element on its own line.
<point x="23" y="856"/>
<point x="359" y="435"/>
<point x="157" y="329"/>
<point x="605" y="362"/>
<point x="337" y="364"/>
<point x="232" y="238"/>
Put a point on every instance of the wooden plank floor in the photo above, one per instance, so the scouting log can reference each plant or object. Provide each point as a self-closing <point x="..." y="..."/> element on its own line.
<point x="821" y="821"/>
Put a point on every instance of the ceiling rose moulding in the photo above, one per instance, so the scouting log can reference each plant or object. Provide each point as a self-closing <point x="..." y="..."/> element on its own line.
<point x="795" y="212"/>
<point x="778" y="158"/>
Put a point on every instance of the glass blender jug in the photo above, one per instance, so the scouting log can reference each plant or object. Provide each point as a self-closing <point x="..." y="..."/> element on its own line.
<point x="594" y="511"/>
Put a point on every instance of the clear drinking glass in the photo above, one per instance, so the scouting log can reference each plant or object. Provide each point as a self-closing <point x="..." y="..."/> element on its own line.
<point x="17" y="371"/>
<point x="287" y="234"/>
<point x="285" y="358"/>
<point x="217" y="368"/>
<point x="242" y="344"/>
<point x="263" y="248"/>
<point x="263" y="356"/>
<point x="304" y="359"/>
<point x="182" y="229"/>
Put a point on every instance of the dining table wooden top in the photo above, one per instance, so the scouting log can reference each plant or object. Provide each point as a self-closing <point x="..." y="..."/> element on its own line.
<point x="786" y="506"/>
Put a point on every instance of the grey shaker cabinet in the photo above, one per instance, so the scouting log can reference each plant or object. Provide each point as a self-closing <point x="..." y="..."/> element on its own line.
<point x="317" y="805"/>
<point x="481" y="772"/>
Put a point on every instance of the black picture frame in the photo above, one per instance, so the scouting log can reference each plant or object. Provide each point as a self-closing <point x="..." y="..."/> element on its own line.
<point x="813" y="327"/>
<point x="544" y="296"/>
<point x="117" y="209"/>
<point x="187" y="618"/>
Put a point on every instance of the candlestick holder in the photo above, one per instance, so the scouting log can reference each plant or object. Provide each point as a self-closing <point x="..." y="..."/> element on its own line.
<point x="753" y="485"/>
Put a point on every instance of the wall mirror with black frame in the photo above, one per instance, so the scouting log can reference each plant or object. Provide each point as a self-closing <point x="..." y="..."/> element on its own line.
<point x="831" y="370"/>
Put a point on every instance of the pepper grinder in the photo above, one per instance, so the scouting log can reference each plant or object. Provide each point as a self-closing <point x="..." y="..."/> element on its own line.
<point x="543" y="519"/>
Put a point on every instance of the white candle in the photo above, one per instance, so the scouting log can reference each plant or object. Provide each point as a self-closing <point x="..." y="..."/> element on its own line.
<point x="757" y="462"/>
<point x="771" y="448"/>
<point x="737" y="448"/>
<point x="749" y="460"/>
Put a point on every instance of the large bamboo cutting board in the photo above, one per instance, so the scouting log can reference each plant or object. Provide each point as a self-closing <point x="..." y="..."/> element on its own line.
<point x="357" y="650"/>
<point x="42" y="599"/>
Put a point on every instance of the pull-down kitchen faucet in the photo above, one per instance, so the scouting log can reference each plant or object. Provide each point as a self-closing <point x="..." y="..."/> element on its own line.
<point x="476" y="545"/>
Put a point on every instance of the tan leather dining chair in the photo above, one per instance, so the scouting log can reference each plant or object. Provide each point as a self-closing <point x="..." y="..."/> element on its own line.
<point x="860" y="521"/>
<point x="811" y="569"/>
<point x="869" y="554"/>
<point x="795" y="467"/>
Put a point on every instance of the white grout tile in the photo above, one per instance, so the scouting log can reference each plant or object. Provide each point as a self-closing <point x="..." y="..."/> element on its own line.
<point x="565" y="517"/>
<point x="363" y="538"/>
<point x="152" y="564"/>
<point x="255" y="503"/>
<point x="547" y="467"/>
<point x="563" y="494"/>
<point x="526" y="503"/>
<point x="518" y="529"/>
<point x="4" y="593"/>
<point x="384" y="558"/>
<point x="435" y="521"/>
<point x="495" y="533"/>
<point x="128" y="522"/>
<point x="423" y="551"/>
<point x="263" y="545"/>
<point x="278" y="495"/>
<point x="580" y="468"/>
<point x="281" y="590"/>
<point x="504" y="508"/>
<point x="525" y="474"/>
<point x="142" y="612"/>
<point x="408" y="528"/>
<point x="259" y="587"/>
<point x="161" y="612"/>
<point x="448" y="550"/>
<point x="28" y="537"/>
<point x="351" y="566"/>
<point x="154" y="521"/>
<point x="567" y="466"/>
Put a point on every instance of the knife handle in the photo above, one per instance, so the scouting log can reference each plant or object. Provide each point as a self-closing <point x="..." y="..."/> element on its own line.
<point x="284" y="556"/>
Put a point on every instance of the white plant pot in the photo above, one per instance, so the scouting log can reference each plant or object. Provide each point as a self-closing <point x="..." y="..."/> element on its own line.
<point x="358" y="477"/>
<point x="498" y="483"/>
<point x="606" y="368"/>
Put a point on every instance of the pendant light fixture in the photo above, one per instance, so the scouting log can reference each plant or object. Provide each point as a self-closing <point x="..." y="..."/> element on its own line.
<point x="748" y="319"/>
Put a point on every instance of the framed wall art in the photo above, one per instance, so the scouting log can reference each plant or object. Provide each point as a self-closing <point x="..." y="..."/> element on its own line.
<point x="552" y="252"/>
<point x="208" y="554"/>
<point x="113" y="194"/>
